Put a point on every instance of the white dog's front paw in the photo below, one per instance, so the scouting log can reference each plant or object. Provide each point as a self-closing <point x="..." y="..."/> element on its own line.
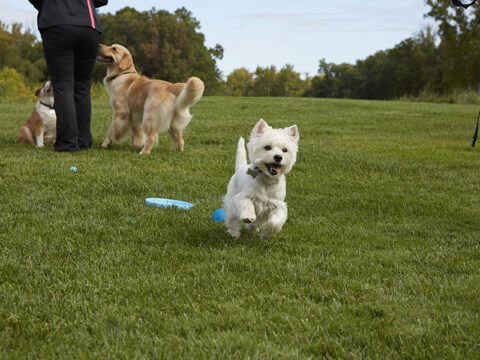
<point x="248" y="217"/>
<point x="105" y="145"/>
<point x="233" y="233"/>
<point x="270" y="229"/>
<point x="39" y="141"/>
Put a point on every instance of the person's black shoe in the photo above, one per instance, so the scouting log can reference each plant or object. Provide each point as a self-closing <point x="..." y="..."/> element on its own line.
<point x="65" y="150"/>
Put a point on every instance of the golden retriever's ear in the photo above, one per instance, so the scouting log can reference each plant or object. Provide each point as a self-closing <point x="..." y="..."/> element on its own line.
<point x="126" y="62"/>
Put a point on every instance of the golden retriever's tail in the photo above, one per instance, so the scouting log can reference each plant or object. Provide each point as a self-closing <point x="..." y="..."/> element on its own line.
<point x="241" y="159"/>
<point x="191" y="93"/>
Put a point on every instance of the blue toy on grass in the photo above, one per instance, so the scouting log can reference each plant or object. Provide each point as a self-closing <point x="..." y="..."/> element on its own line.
<point x="218" y="215"/>
<point x="169" y="202"/>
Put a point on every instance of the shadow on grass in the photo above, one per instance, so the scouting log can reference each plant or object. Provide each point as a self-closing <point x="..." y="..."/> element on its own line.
<point x="216" y="237"/>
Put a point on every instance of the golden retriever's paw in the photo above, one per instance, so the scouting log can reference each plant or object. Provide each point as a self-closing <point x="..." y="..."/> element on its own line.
<point x="105" y="145"/>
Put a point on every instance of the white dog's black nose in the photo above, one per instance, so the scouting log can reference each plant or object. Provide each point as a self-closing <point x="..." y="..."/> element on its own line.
<point x="277" y="158"/>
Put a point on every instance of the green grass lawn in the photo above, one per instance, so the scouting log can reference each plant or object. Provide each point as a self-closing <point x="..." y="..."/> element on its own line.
<point x="380" y="256"/>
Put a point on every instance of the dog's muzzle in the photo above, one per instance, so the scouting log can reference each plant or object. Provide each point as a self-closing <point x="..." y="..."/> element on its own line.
<point x="104" y="59"/>
<point x="273" y="168"/>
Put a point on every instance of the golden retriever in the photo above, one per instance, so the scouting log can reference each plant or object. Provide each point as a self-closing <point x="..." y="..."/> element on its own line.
<point x="145" y="106"/>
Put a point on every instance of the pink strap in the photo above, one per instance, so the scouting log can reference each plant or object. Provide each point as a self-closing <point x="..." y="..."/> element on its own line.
<point x="91" y="14"/>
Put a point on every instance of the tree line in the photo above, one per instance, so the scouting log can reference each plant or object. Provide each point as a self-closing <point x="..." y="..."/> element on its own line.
<point x="170" y="46"/>
<point x="438" y="62"/>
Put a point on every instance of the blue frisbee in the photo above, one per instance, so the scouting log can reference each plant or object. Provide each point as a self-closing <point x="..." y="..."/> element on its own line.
<point x="218" y="215"/>
<point x="164" y="203"/>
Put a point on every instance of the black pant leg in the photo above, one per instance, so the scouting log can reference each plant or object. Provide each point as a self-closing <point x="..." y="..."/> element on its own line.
<point x="58" y="48"/>
<point x="86" y="53"/>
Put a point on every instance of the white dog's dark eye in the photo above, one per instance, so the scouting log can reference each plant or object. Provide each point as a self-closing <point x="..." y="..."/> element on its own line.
<point x="114" y="48"/>
<point x="268" y="147"/>
<point x="284" y="150"/>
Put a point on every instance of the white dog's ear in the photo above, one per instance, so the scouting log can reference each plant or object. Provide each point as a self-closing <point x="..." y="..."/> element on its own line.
<point x="260" y="127"/>
<point x="293" y="132"/>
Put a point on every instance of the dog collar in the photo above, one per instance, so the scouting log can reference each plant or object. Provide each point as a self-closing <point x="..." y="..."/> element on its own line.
<point x="116" y="76"/>
<point x="254" y="172"/>
<point x="47" y="105"/>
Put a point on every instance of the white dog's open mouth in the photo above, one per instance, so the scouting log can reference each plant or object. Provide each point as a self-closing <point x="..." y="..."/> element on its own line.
<point x="273" y="169"/>
<point x="104" y="59"/>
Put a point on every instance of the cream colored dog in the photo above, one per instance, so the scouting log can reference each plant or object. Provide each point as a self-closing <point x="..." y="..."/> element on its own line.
<point x="144" y="106"/>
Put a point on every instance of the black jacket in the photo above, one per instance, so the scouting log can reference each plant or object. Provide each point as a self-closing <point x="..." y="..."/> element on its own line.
<point x="68" y="12"/>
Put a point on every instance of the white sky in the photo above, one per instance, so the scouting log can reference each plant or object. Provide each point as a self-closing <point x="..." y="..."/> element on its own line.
<point x="267" y="32"/>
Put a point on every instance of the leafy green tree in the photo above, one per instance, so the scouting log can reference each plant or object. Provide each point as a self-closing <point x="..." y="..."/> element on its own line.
<point x="13" y="88"/>
<point x="414" y="63"/>
<point x="6" y="40"/>
<point x="265" y="79"/>
<point x="406" y="69"/>
<point x="459" y="32"/>
<point x="333" y="81"/>
<point x="240" y="82"/>
<point x="266" y="82"/>
<point x="20" y="50"/>
<point x="288" y="82"/>
<point x="164" y="45"/>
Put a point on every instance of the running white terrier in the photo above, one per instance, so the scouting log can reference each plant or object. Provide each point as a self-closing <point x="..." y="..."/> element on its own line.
<point x="256" y="192"/>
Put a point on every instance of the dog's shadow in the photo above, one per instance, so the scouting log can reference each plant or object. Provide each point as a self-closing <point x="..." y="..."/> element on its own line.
<point x="117" y="147"/>
<point x="216" y="237"/>
<point x="124" y="147"/>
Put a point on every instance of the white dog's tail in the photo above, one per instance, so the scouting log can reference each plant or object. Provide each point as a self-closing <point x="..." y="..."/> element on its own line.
<point x="241" y="159"/>
<point x="191" y="93"/>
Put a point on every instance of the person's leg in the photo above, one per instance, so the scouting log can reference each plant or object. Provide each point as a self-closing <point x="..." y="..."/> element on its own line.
<point x="57" y="45"/>
<point x="86" y="53"/>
